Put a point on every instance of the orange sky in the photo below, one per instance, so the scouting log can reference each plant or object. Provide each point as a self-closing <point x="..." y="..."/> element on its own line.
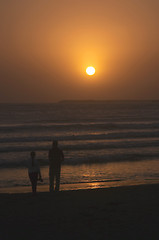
<point x="45" y="47"/>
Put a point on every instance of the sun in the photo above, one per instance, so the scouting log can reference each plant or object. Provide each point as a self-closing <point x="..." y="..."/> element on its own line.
<point x="90" y="70"/>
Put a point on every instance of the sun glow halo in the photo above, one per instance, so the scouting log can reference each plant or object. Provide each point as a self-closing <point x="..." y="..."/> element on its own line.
<point x="90" y="70"/>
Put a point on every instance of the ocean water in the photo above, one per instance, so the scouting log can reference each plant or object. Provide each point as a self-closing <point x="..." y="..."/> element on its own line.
<point x="105" y="143"/>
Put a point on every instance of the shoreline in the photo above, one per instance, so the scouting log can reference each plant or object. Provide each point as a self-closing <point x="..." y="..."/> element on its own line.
<point x="78" y="186"/>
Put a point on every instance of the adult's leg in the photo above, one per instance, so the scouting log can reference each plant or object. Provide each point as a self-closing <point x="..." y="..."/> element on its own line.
<point x="58" y="173"/>
<point x="51" y="179"/>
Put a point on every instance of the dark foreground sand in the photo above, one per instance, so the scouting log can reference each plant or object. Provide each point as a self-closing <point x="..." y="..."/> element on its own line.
<point x="114" y="213"/>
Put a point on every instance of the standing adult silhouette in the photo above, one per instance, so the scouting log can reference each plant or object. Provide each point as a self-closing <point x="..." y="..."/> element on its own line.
<point x="56" y="157"/>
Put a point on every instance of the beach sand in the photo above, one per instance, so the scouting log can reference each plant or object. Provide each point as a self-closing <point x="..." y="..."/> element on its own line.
<point x="110" y="213"/>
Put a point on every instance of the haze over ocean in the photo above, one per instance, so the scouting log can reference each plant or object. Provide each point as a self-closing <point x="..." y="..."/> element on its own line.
<point x="46" y="48"/>
<point x="105" y="143"/>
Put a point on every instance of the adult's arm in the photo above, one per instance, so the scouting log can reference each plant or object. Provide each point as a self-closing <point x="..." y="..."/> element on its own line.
<point x="62" y="156"/>
<point x="49" y="155"/>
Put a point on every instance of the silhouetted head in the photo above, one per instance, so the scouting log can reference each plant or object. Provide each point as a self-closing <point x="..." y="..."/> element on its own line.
<point x="32" y="154"/>
<point x="55" y="143"/>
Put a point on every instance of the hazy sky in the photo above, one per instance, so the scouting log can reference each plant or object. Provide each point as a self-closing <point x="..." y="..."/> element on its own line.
<point x="45" y="47"/>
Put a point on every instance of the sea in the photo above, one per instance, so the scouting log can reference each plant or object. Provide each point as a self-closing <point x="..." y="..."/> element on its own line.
<point x="105" y="143"/>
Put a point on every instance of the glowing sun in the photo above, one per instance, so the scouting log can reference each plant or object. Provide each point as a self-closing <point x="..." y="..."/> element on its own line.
<point x="90" y="70"/>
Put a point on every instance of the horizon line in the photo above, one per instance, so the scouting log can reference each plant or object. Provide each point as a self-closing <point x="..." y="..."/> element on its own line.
<point x="85" y="100"/>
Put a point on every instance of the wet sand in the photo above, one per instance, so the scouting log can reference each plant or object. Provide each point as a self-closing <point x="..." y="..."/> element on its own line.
<point x="108" y="213"/>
